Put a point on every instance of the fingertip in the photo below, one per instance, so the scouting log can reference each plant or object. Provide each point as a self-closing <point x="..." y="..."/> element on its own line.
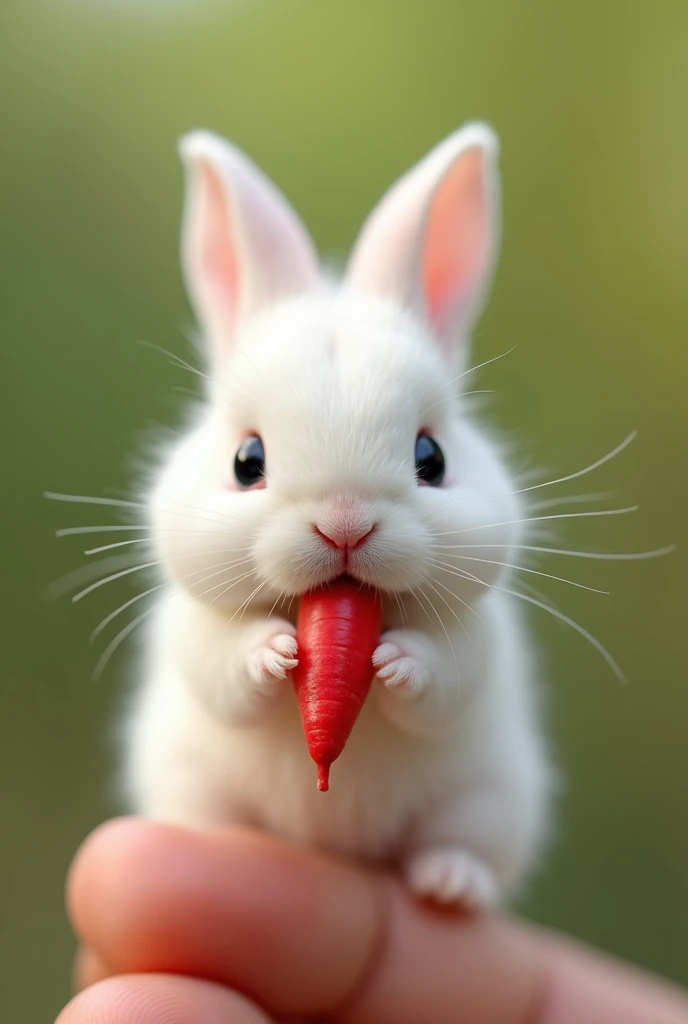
<point x="92" y="848"/>
<point x="157" y="999"/>
<point x="106" y="867"/>
<point x="240" y="907"/>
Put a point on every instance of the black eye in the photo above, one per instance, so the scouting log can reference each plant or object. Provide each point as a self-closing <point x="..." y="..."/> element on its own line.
<point x="429" y="461"/>
<point x="249" y="461"/>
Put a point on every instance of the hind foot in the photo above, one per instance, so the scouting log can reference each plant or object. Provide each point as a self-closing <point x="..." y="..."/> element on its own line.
<point x="452" y="876"/>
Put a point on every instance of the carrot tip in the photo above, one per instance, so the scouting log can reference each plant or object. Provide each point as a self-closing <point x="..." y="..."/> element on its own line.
<point x="323" y="777"/>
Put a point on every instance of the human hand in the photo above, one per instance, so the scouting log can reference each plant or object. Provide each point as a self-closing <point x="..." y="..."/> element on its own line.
<point x="234" y="927"/>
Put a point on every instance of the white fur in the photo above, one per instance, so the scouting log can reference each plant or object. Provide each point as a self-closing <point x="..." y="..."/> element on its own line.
<point x="444" y="772"/>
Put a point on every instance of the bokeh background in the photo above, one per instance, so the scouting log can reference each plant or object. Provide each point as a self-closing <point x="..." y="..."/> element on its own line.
<point x="335" y="100"/>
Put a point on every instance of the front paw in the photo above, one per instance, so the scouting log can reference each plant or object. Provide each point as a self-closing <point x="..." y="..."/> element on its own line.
<point x="398" y="667"/>
<point x="274" y="655"/>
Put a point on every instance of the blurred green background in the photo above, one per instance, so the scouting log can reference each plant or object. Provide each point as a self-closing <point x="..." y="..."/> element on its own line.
<point x="335" y="100"/>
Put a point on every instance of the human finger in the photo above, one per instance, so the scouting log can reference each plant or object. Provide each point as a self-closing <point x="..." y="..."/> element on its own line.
<point x="159" y="999"/>
<point x="307" y="935"/>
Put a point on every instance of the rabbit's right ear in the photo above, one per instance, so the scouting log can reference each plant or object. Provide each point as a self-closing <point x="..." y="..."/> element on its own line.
<point x="243" y="246"/>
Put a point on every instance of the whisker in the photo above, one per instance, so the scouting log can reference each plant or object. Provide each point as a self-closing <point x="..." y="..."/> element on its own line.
<point x="178" y="361"/>
<point x="124" y="633"/>
<point x="114" y="576"/>
<point x="537" y="593"/>
<point x="227" y="584"/>
<point x="573" y="624"/>
<point x="188" y="515"/>
<point x="75" y="531"/>
<point x="122" y="503"/>
<point x="454" y="398"/>
<point x="524" y="568"/>
<point x="444" y="628"/>
<point x="465" y="373"/>
<point x="223" y="517"/>
<point x="224" y="568"/>
<point x="588" y="469"/>
<point x="456" y="598"/>
<point x="244" y="604"/>
<point x="87" y="499"/>
<point x="402" y="611"/>
<point x="195" y="340"/>
<point x="610" y="556"/>
<point x="220" y="566"/>
<point x="79" y="575"/>
<point x="118" y="544"/>
<point x="463" y="573"/>
<point x="123" y="607"/>
<point x="487" y="362"/>
<point x="75" y="578"/>
<point x="202" y="552"/>
<point x="281" y="595"/>
<point x="60" y="587"/>
<point x="457" y="572"/>
<point x="213" y="512"/>
<point x="181" y="390"/>
<point x="127" y="604"/>
<point x="413" y="594"/>
<point x="250" y="598"/>
<point x="600" y="648"/>
<point x="229" y="564"/>
<point x="114" y="644"/>
<point x="540" y="519"/>
<point x="573" y="499"/>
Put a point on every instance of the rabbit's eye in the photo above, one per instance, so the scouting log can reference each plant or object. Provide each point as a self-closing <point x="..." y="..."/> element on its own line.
<point x="249" y="461"/>
<point x="429" y="461"/>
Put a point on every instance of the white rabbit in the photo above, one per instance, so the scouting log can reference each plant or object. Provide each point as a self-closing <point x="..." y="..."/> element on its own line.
<point x="339" y="408"/>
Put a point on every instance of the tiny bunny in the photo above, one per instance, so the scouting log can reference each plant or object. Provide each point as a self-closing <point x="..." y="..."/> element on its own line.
<point x="334" y="439"/>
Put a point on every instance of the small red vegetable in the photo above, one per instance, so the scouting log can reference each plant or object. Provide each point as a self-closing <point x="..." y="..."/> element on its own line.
<point x="338" y="629"/>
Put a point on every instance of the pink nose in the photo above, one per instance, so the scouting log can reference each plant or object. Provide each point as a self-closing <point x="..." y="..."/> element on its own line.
<point x="346" y="540"/>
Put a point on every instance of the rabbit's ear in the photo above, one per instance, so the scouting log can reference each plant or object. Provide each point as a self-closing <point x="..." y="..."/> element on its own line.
<point x="431" y="241"/>
<point x="243" y="246"/>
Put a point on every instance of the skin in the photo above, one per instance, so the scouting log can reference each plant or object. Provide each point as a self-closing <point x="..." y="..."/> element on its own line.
<point x="234" y="927"/>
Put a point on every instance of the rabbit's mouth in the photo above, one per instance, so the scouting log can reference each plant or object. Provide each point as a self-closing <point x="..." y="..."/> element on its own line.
<point x="340" y="577"/>
<point x="345" y="577"/>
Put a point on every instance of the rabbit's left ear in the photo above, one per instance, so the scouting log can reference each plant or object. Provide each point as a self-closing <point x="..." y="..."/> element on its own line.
<point x="243" y="246"/>
<point x="431" y="242"/>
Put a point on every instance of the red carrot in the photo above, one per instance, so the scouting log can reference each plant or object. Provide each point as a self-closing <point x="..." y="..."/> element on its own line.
<point x="338" y="629"/>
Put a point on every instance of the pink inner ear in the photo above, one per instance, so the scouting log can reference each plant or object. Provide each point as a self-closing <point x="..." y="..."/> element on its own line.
<point x="456" y="240"/>
<point x="220" y="267"/>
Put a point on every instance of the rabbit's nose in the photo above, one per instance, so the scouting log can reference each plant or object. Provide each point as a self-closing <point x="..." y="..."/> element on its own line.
<point x="346" y="539"/>
<point x="344" y="522"/>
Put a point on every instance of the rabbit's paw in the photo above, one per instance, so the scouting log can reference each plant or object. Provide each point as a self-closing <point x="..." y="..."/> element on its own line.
<point x="274" y="656"/>
<point x="452" y="875"/>
<point x="398" y="667"/>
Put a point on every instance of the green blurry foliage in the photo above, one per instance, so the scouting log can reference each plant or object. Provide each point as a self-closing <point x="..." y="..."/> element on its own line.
<point x="334" y="100"/>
